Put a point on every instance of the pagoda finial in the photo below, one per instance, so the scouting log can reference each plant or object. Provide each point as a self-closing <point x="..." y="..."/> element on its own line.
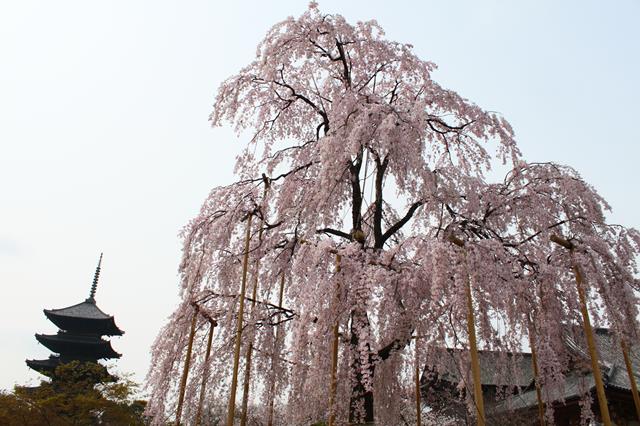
<point x="94" y="286"/>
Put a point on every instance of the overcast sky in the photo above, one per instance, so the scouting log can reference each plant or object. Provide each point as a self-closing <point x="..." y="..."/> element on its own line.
<point x="105" y="143"/>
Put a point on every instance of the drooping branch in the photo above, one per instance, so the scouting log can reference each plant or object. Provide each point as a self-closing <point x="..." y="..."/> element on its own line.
<point x="448" y="128"/>
<point x="270" y="306"/>
<point x="306" y="100"/>
<point x="281" y="175"/>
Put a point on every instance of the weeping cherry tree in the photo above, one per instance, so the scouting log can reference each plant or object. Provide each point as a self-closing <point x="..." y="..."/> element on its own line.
<point x="360" y="216"/>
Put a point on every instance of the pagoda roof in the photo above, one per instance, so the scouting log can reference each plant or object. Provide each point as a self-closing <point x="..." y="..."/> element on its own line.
<point x="86" y="309"/>
<point x="84" y="316"/>
<point x="48" y="366"/>
<point x="44" y="366"/>
<point x="78" y="346"/>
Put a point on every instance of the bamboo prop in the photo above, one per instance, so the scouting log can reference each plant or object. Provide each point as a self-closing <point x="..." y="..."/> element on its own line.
<point x="473" y="344"/>
<point x="205" y="372"/>
<point x="247" y="369"/>
<point x="417" y="378"/>
<point x="245" y="385"/>
<point x="334" y="357"/>
<point x="588" y="331"/>
<point x="632" y="378"/>
<point x="236" y="355"/>
<point x="274" y="357"/>
<point x="536" y="374"/>
<point x="187" y="361"/>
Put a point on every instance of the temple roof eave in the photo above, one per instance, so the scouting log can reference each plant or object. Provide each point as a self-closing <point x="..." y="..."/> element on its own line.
<point x="102" y="326"/>
<point x="44" y="366"/>
<point x="86" y="309"/>
<point x="92" y="346"/>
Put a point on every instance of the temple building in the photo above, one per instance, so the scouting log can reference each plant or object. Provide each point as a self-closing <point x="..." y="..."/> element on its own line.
<point x="80" y="335"/>
<point x="508" y="384"/>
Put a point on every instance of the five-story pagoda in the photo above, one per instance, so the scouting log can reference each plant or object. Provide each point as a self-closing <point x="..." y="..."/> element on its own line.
<point x="80" y="336"/>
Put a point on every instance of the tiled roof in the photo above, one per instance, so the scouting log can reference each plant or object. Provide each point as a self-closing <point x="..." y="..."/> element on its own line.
<point x="612" y="365"/>
<point x="77" y="345"/>
<point x="496" y="368"/>
<point x="615" y="370"/>
<point x="84" y="317"/>
<point x="575" y="386"/>
<point x="86" y="309"/>
<point x="44" y="366"/>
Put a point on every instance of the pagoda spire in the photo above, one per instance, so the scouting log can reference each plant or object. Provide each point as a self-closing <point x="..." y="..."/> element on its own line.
<point x="96" y="276"/>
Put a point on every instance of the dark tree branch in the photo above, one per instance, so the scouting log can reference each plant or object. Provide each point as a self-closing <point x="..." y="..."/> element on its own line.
<point x="280" y="176"/>
<point x="346" y="72"/>
<point x="334" y="232"/>
<point x="381" y="168"/>
<point x="356" y="211"/>
<point x="396" y="344"/>
<point x="399" y="224"/>
<point x="296" y="170"/>
<point x="448" y="127"/>
<point x="306" y="100"/>
<point x="372" y="77"/>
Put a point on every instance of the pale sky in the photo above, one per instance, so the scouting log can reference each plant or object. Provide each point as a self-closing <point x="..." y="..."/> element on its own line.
<point x="105" y="144"/>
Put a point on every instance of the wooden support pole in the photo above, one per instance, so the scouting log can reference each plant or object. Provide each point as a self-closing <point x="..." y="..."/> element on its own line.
<point x="236" y="354"/>
<point x="254" y="294"/>
<point x="333" y="386"/>
<point x="274" y="357"/>
<point x="588" y="331"/>
<point x="187" y="362"/>
<point x="475" y="361"/>
<point x="205" y="372"/>
<point x="632" y="377"/>
<point x="473" y="344"/>
<point x="247" y="367"/>
<point x="245" y="385"/>
<point x="536" y="374"/>
<point x="595" y="364"/>
<point x="418" y="396"/>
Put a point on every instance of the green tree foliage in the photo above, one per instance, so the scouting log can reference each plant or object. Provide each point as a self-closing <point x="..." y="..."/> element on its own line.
<point x="78" y="394"/>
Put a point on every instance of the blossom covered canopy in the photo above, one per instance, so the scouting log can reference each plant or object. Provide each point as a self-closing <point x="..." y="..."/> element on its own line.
<point x="357" y="153"/>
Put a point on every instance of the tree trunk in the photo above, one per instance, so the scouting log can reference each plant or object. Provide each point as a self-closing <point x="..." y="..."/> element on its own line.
<point x="361" y="403"/>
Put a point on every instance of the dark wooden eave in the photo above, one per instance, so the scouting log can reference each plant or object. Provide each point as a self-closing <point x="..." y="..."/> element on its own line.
<point x="84" y="317"/>
<point x="44" y="366"/>
<point x="82" y="346"/>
